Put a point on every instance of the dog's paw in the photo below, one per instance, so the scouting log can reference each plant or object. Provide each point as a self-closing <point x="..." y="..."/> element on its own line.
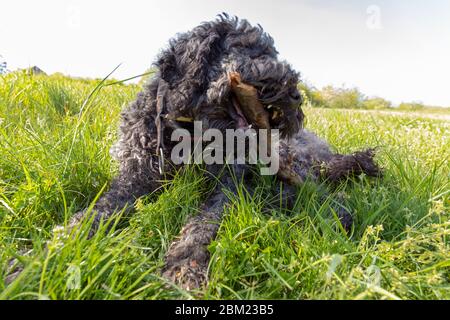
<point x="186" y="273"/>
<point x="186" y="261"/>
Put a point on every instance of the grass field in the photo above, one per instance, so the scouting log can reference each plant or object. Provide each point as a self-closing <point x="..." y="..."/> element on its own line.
<point x="55" y="134"/>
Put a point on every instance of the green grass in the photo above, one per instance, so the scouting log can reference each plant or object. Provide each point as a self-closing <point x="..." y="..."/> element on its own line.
<point x="55" y="133"/>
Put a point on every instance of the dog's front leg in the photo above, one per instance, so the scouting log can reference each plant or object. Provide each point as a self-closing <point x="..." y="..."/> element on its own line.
<point x="121" y="196"/>
<point x="139" y="171"/>
<point x="187" y="260"/>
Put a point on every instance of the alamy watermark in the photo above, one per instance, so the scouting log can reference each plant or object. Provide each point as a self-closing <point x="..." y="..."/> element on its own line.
<point x="373" y="21"/>
<point x="237" y="147"/>
<point x="73" y="17"/>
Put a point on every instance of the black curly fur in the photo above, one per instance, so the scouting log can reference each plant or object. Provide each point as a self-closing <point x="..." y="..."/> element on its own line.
<point x="192" y="81"/>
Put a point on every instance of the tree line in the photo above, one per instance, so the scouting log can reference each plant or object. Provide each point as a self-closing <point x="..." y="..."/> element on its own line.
<point x="349" y="98"/>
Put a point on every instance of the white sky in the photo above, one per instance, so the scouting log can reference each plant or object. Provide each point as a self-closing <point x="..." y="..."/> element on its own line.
<point x="399" y="50"/>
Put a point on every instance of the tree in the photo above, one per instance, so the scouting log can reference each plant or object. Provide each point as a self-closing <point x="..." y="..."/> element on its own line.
<point x="411" y="106"/>
<point x="377" y="103"/>
<point x="342" y="98"/>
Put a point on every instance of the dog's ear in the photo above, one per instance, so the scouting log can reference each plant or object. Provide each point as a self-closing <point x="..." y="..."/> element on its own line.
<point x="185" y="66"/>
<point x="187" y="58"/>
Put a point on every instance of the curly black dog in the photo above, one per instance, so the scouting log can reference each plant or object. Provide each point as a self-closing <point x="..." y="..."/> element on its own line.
<point x="192" y="83"/>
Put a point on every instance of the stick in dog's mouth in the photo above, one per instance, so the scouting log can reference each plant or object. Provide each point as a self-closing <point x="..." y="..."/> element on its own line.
<point x="246" y="102"/>
<point x="249" y="110"/>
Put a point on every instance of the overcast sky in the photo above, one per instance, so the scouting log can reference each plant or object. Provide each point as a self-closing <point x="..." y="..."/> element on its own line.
<point x="399" y="50"/>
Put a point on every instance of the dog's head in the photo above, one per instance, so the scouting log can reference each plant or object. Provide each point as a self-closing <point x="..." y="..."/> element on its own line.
<point x="276" y="83"/>
<point x="196" y="66"/>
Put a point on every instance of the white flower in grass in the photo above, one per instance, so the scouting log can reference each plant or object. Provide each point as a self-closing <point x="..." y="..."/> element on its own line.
<point x="59" y="235"/>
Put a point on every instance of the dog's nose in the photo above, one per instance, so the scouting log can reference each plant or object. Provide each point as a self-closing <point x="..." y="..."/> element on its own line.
<point x="296" y="97"/>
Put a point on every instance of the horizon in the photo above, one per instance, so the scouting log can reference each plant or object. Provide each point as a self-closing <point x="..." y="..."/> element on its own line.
<point x="382" y="48"/>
